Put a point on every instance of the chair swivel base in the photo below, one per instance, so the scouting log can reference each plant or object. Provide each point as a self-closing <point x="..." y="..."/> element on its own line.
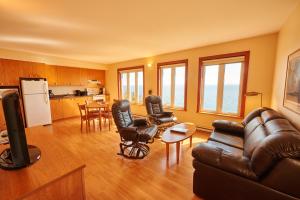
<point x="134" y="150"/>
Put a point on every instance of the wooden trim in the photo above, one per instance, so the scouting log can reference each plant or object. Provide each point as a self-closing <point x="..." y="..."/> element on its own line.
<point x="285" y="82"/>
<point x="159" y="66"/>
<point x="119" y="70"/>
<point x="246" y="55"/>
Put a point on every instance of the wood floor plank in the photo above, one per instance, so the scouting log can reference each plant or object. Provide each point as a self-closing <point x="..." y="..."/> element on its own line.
<point x="110" y="176"/>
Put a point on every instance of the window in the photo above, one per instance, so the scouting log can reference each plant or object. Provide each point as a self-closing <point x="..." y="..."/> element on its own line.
<point x="172" y="83"/>
<point x="131" y="84"/>
<point x="222" y="83"/>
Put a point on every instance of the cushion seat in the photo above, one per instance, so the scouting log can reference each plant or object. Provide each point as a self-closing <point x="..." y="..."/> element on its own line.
<point x="227" y="148"/>
<point x="228" y="139"/>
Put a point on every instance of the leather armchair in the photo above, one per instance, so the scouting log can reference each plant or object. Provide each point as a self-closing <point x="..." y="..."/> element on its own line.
<point x="156" y="114"/>
<point x="257" y="159"/>
<point x="134" y="133"/>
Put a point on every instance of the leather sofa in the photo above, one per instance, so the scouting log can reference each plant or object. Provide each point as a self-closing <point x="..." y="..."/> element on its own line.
<point x="257" y="159"/>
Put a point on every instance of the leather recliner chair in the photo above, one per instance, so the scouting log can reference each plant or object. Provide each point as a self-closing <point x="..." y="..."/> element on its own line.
<point x="134" y="133"/>
<point x="258" y="159"/>
<point x="156" y="113"/>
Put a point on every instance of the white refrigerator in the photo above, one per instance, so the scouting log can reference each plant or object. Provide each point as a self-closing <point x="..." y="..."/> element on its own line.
<point x="36" y="101"/>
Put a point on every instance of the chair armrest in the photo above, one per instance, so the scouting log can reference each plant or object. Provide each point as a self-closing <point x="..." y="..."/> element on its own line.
<point x="140" y="122"/>
<point x="228" y="126"/>
<point x="224" y="160"/>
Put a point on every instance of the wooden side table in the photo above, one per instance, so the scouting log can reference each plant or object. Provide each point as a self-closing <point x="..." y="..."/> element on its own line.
<point x="170" y="137"/>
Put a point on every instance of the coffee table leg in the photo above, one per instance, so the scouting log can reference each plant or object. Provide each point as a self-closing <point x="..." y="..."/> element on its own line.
<point x="177" y="151"/>
<point x="167" y="152"/>
<point x="191" y="141"/>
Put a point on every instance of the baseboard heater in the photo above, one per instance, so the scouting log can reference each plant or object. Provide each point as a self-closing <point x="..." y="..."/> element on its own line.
<point x="199" y="128"/>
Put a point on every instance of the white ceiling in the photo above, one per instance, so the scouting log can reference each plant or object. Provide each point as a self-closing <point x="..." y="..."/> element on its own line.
<point x="108" y="31"/>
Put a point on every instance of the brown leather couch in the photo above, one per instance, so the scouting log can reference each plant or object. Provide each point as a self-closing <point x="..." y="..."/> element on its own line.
<point x="258" y="159"/>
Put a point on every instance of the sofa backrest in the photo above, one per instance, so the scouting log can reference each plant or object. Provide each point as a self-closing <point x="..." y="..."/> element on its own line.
<point x="268" y="138"/>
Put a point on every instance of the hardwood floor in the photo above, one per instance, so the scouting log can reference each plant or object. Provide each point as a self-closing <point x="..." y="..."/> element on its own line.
<point x="110" y="176"/>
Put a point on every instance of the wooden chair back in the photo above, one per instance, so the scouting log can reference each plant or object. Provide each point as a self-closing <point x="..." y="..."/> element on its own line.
<point x="82" y="110"/>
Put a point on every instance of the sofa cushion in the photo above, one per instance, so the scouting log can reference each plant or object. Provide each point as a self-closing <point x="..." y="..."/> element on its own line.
<point x="218" y="157"/>
<point x="253" y="140"/>
<point x="274" y="148"/>
<point x="227" y="138"/>
<point x="252" y="115"/>
<point x="269" y="115"/>
<point x="279" y="125"/>
<point x="228" y="126"/>
<point x="251" y="126"/>
<point x="227" y="148"/>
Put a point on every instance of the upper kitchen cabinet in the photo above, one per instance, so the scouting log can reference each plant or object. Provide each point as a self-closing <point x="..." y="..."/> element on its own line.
<point x="98" y="75"/>
<point x="68" y="76"/>
<point x="39" y="70"/>
<point x="51" y="75"/>
<point x="12" y="71"/>
<point x="83" y="76"/>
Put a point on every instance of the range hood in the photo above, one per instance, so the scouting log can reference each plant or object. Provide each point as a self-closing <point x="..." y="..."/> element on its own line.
<point x="95" y="82"/>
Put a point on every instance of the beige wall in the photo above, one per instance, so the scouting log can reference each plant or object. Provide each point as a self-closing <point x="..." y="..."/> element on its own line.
<point x="51" y="60"/>
<point x="260" y="76"/>
<point x="288" y="42"/>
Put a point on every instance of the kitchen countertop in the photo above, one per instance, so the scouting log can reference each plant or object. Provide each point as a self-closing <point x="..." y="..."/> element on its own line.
<point x="65" y="96"/>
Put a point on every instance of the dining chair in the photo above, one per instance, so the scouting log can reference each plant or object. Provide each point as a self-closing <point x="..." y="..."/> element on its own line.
<point x="107" y="115"/>
<point x="86" y="115"/>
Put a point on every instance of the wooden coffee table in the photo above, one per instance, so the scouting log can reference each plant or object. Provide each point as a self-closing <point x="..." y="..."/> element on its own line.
<point x="170" y="137"/>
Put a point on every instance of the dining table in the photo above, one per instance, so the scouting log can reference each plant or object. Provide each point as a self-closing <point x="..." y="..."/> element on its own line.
<point x="100" y="107"/>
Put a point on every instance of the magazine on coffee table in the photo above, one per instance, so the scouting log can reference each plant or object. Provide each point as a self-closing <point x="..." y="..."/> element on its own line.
<point x="179" y="130"/>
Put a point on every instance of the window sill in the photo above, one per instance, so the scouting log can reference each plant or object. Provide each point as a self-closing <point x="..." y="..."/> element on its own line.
<point x="174" y="109"/>
<point x="220" y="114"/>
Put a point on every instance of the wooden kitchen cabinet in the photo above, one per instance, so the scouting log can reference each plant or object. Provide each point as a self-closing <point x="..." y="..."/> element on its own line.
<point x="66" y="107"/>
<point x="68" y="76"/>
<point x="12" y="71"/>
<point x="39" y="70"/>
<point x="57" y="109"/>
<point x="99" y="75"/>
<point x="51" y="74"/>
<point x="83" y="76"/>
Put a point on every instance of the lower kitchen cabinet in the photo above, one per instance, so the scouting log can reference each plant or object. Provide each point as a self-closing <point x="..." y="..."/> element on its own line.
<point x="56" y="109"/>
<point x="63" y="108"/>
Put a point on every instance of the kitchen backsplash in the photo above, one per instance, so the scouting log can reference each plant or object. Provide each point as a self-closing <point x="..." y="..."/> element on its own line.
<point x="60" y="90"/>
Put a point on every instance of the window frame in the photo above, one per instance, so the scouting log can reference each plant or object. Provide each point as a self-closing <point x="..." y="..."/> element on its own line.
<point x="159" y="82"/>
<point x="243" y="81"/>
<point x="128" y="70"/>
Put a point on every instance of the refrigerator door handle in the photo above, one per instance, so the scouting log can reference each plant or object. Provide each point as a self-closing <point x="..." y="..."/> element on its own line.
<point x="45" y="87"/>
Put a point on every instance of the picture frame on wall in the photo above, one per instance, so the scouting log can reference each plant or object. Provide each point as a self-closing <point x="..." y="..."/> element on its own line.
<point x="291" y="98"/>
